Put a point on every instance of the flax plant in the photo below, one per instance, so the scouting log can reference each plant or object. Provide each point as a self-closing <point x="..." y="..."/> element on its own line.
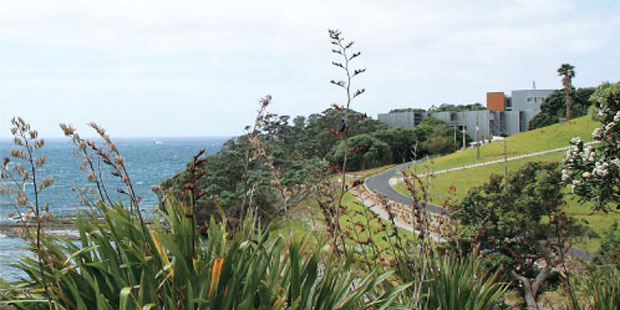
<point x="342" y="49"/>
<point x="246" y="269"/>
<point x="111" y="157"/>
<point x="20" y="173"/>
<point x="88" y="164"/>
<point x="173" y="263"/>
<point x="252" y="153"/>
<point x="600" y="289"/>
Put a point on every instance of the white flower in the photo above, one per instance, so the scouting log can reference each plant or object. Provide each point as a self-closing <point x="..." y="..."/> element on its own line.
<point x="597" y="133"/>
<point x="576" y="182"/>
<point x="616" y="162"/>
<point x="589" y="154"/>
<point x="617" y="117"/>
<point x="601" y="169"/>
<point x="586" y="175"/>
<point x="565" y="177"/>
<point x="575" y="140"/>
<point x="610" y="126"/>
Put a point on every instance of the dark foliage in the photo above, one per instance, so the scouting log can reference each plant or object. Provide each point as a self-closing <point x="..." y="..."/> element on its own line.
<point x="457" y="108"/>
<point x="518" y="222"/>
<point x="553" y="107"/>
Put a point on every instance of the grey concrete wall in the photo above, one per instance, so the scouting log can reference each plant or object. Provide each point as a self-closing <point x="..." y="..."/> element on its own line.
<point x="400" y="119"/>
<point x="494" y="123"/>
<point x="528" y="99"/>
<point x="469" y="119"/>
<point x="511" y="121"/>
<point x="444" y="116"/>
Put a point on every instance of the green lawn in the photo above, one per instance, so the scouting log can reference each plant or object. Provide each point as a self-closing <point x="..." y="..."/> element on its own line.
<point x="356" y="213"/>
<point x="306" y="223"/>
<point x="537" y="140"/>
<point x="463" y="180"/>
<point x="541" y="139"/>
<point x="466" y="179"/>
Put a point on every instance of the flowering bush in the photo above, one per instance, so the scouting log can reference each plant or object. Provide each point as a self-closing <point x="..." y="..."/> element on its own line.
<point x="593" y="171"/>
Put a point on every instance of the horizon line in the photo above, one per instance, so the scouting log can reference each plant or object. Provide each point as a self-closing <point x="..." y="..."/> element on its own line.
<point x="8" y="138"/>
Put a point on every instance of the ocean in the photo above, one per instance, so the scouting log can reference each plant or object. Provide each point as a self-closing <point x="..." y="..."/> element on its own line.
<point x="149" y="161"/>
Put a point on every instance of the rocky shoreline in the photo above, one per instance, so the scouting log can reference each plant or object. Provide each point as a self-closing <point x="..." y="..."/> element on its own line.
<point x="64" y="226"/>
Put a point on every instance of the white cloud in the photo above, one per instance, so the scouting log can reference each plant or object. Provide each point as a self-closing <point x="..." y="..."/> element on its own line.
<point x="149" y="55"/>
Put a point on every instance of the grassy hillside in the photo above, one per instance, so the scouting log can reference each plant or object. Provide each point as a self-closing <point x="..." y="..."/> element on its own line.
<point x="541" y="139"/>
<point x="544" y="138"/>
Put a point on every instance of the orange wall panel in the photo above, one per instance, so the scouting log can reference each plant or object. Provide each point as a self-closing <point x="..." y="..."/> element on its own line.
<point x="496" y="101"/>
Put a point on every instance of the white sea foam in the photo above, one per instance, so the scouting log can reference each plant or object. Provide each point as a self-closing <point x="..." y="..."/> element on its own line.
<point x="2" y="236"/>
<point x="65" y="233"/>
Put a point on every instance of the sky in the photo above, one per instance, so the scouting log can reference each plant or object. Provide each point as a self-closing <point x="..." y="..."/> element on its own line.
<point x="198" y="68"/>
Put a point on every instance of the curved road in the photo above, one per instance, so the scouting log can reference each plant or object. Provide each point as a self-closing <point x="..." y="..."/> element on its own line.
<point x="380" y="184"/>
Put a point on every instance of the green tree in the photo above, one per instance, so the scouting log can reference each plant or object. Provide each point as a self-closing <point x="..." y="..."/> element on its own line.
<point x="247" y="164"/>
<point x="431" y="129"/>
<point x="299" y="122"/>
<point x="439" y="145"/>
<point x="366" y="152"/>
<point x="554" y="107"/>
<point x="506" y="219"/>
<point x="457" y="108"/>
<point x="542" y="119"/>
<point x="402" y="142"/>
<point x="319" y="138"/>
<point x="609" y="253"/>
<point x="567" y="72"/>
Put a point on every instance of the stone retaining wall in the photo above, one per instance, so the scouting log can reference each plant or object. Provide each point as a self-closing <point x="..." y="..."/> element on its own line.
<point x="438" y="224"/>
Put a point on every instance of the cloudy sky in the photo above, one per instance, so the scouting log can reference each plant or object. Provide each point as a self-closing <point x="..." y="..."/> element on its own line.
<point x="198" y="68"/>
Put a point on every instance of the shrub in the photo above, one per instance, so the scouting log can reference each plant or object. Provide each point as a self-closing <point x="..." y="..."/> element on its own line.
<point x="119" y="265"/>
<point x="594" y="171"/>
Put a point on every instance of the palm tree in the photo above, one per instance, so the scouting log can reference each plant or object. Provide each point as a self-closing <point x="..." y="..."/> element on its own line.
<point x="567" y="72"/>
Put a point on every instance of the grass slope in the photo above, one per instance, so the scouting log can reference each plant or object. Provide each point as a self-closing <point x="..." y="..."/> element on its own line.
<point x="541" y="139"/>
<point x="537" y="140"/>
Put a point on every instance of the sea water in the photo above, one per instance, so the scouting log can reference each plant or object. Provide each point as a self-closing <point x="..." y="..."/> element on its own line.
<point x="149" y="161"/>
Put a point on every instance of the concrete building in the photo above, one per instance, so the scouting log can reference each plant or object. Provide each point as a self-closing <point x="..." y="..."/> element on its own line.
<point x="504" y="115"/>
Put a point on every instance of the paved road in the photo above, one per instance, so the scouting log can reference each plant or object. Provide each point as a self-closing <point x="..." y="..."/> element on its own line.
<point x="380" y="184"/>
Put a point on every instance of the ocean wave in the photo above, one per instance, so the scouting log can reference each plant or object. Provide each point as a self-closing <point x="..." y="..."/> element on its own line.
<point x="2" y="236"/>
<point x="71" y="233"/>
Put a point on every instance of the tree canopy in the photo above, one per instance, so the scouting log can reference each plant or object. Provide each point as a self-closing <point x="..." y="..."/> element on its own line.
<point x="505" y="219"/>
<point x="553" y="107"/>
